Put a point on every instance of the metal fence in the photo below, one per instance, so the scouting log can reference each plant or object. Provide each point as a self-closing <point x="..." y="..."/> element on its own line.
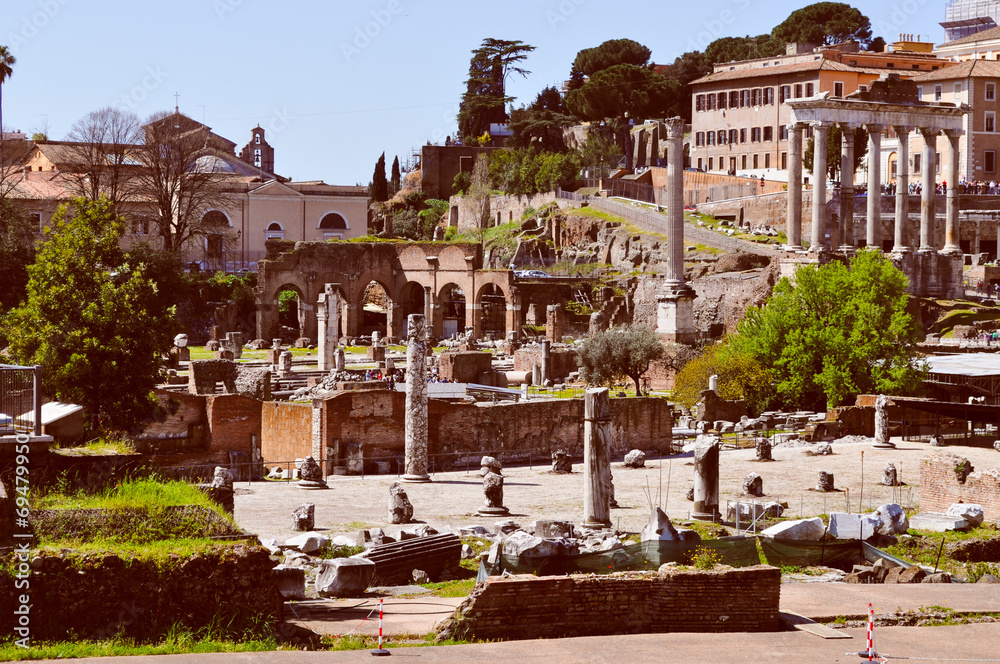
<point x="20" y="400"/>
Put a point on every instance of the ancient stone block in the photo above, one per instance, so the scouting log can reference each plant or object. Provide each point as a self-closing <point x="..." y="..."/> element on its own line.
<point x="304" y="518"/>
<point x="204" y="374"/>
<point x="400" y="508"/>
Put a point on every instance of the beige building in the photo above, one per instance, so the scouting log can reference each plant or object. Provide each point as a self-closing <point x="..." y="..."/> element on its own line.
<point x="255" y="204"/>
<point x="739" y="114"/>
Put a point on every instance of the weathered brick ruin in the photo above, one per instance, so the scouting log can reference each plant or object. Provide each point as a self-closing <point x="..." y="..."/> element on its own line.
<point x="528" y="607"/>
<point x="947" y="478"/>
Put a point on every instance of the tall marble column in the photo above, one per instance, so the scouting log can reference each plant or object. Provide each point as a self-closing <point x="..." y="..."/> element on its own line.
<point x="873" y="229"/>
<point x="706" y="481"/>
<point x="951" y="241"/>
<point x="429" y="311"/>
<point x="328" y="324"/>
<point x="415" y="441"/>
<point x="546" y="360"/>
<point x="847" y="186"/>
<point x="794" y="222"/>
<point x="902" y="190"/>
<point x="928" y="198"/>
<point x="596" y="461"/>
<point x="675" y="302"/>
<point x="820" y="130"/>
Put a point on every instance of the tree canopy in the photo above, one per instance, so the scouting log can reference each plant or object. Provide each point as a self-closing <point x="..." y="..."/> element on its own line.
<point x="541" y="124"/>
<point x="836" y="332"/>
<point x="380" y="185"/>
<point x="485" y="99"/>
<point x="613" y="52"/>
<point x="834" y="140"/>
<point x="621" y="352"/>
<point x="825" y="23"/>
<point x="17" y="251"/>
<point x="91" y="320"/>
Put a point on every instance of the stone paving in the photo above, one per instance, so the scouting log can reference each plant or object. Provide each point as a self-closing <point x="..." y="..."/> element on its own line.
<point x="452" y="498"/>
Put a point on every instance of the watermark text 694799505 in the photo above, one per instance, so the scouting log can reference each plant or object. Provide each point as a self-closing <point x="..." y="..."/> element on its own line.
<point x="22" y="541"/>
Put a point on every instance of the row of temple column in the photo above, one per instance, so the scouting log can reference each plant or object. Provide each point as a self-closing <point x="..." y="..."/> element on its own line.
<point x="873" y="239"/>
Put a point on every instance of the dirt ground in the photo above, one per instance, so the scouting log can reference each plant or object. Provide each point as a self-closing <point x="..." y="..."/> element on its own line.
<point x="352" y="503"/>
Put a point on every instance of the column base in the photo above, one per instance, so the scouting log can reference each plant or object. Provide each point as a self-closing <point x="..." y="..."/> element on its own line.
<point x="884" y="446"/>
<point x="594" y="524"/>
<point x="899" y="251"/>
<point x="416" y="479"/>
<point x="493" y="511"/>
<point x="675" y="314"/>
<point x="953" y="250"/>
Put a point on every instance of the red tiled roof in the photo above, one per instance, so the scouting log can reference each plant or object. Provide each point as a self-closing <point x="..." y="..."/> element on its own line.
<point x="969" y="69"/>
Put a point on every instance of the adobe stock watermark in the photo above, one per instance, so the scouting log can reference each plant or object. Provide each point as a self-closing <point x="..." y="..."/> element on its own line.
<point x="22" y="541"/>
<point x="718" y="26"/>
<point x="363" y="36"/>
<point x="439" y="135"/>
<point x="223" y="7"/>
<point x="562" y="13"/>
<point x="132" y="99"/>
<point x="34" y="23"/>
<point x="899" y="16"/>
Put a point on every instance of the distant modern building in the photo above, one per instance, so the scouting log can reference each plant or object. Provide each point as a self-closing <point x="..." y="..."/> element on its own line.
<point x="966" y="18"/>
<point x="739" y="115"/>
<point x="255" y="204"/>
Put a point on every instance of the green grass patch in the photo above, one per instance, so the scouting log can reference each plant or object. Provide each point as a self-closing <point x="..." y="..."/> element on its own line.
<point x="331" y="551"/>
<point x="946" y="324"/>
<point x="174" y="645"/>
<point x="457" y="588"/>
<point x="594" y="213"/>
<point x="133" y="493"/>
<point x="159" y="552"/>
<point x="101" y="447"/>
<point x="199" y="353"/>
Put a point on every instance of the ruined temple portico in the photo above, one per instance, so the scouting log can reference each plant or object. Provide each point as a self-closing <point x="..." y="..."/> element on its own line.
<point x="889" y="103"/>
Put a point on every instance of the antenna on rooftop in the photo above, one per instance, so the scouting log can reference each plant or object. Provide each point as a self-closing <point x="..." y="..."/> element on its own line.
<point x="177" y="102"/>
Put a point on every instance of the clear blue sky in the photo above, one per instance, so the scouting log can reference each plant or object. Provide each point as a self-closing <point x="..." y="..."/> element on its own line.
<point x="333" y="101"/>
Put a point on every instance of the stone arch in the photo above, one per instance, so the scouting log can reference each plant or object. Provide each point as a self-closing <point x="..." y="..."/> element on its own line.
<point x="891" y="166"/>
<point x="453" y="309"/>
<point x="492" y="305"/>
<point x="375" y="308"/>
<point x="214" y="218"/>
<point x="295" y="318"/>
<point x="410" y="299"/>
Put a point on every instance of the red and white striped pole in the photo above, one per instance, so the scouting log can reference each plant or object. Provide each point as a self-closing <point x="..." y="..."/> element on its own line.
<point x="871" y="633"/>
<point x="382" y="652"/>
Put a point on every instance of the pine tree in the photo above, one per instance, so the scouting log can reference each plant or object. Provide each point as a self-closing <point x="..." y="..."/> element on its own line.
<point x="380" y="186"/>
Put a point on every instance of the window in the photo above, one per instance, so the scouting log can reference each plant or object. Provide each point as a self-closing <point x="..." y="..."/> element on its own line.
<point x="710" y="103"/>
<point x="37" y="218"/>
<point x="810" y="90"/>
<point x="755" y="162"/>
<point x="755" y="135"/>
<point x="711" y="138"/>
<point x="744" y="98"/>
<point x="916" y="66"/>
<point x="274" y="231"/>
<point x="990" y="161"/>
<point x="734" y="99"/>
<point x="699" y="103"/>
<point x="769" y="96"/>
<point x="256" y="157"/>
<point x="768" y="134"/>
<point x="958" y="93"/>
<point x="798" y="90"/>
<point x="699" y="139"/>
<point x="916" y="163"/>
<point x="938" y="92"/>
<point x="991" y="91"/>
<point x="743" y="160"/>
<point x="333" y="221"/>
<point x="256" y="139"/>
<point x="734" y="136"/>
<point x="920" y="92"/>
<point x="767" y="160"/>
<point x="722" y="137"/>
<point x="892" y="168"/>
<point x="784" y="161"/>
<point x="783" y="133"/>
<point x="722" y="100"/>
<point x="991" y="121"/>
<point x="710" y="160"/>
<point x="784" y="92"/>
<point x="743" y="137"/>
<point x="890" y="65"/>
<point x="838" y="89"/>
<point x="937" y="163"/>
<point x="699" y="164"/>
<point x="755" y="97"/>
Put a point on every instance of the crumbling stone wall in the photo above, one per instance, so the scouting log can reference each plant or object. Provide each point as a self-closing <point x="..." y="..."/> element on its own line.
<point x="529" y="607"/>
<point x="562" y="361"/>
<point x="464" y="367"/>
<point x="99" y="597"/>
<point x="204" y="374"/>
<point x="947" y="478"/>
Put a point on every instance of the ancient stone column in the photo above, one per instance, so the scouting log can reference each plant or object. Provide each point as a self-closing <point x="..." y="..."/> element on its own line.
<point x="952" y="231"/>
<point x="820" y="130"/>
<point x="847" y="186"/>
<point x="882" y="423"/>
<point x="416" y="401"/>
<point x="328" y="324"/>
<point x="596" y="462"/>
<point x="794" y="222"/>
<point x="976" y="242"/>
<point x="706" y="481"/>
<point x="339" y="360"/>
<point x="928" y="195"/>
<point x="546" y="360"/>
<point x="902" y="190"/>
<point x="874" y="225"/>
<point x="675" y="301"/>
<point x="428" y="311"/>
<point x="324" y="362"/>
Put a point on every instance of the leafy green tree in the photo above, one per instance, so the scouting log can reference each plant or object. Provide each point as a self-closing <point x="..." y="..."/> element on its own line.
<point x="88" y="319"/>
<point x="599" y="153"/>
<point x="622" y="352"/>
<point x="485" y="99"/>
<point x="728" y="49"/>
<point x="17" y="251"/>
<point x="613" y="52"/>
<point x="380" y="186"/>
<point x="541" y="124"/>
<point x="836" y="332"/>
<point x="825" y="23"/>
<point x="834" y="140"/>
<point x="397" y="178"/>
<point x="741" y="376"/>
<point x="620" y="93"/>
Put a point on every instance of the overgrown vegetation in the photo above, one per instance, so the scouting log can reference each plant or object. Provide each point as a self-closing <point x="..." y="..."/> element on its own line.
<point x="621" y="352"/>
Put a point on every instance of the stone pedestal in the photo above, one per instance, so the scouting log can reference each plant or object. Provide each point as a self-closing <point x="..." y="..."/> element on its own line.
<point x="675" y="314"/>
<point x="492" y="473"/>
<point x="706" y="482"/>
<point x="416" y="401"/>
<point x="597" y="465"/>
<point x="285" y="364"/>
<point x="882" y="423"/>
<point x="328" y="325"/>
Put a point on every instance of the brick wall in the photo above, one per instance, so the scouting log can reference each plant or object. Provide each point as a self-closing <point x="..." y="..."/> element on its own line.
<point x="528" y="607"/>
<point x="562" y="360"/>
<point x="947" y="478"/>
<point x="464" y="367"/>
<point x="375" y="421"/>
<point x="285" y="430"/>
<point x="232" y="419"/>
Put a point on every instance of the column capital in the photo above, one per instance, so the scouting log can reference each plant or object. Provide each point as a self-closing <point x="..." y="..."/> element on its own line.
<point x="849" y="126"/>
<point x="953" y="134"/>
<point x="796" y="126"/>
<point x="821" y="124"/>
<point x="675" y="127"/>
<point x="929" y="132"/>
<point x="902" y="129"/>
<point x="875" y="128"/>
